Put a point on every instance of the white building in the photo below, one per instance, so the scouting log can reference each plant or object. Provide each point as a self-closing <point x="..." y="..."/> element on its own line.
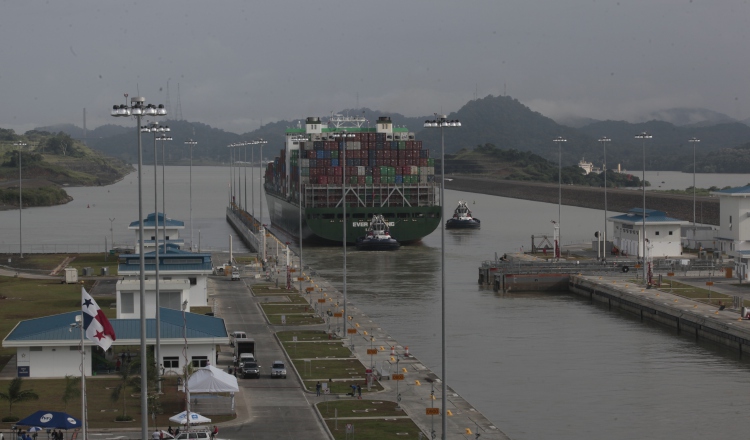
<point x="48" y="347"/>
<point x="183" y="276"/>
<point x="171" y="230"/>
<point x="733" y="237"/>
<point x="663" y="233"/>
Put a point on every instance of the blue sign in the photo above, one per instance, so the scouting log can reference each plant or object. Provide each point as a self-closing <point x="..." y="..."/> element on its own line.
<point x="23" y="371"/>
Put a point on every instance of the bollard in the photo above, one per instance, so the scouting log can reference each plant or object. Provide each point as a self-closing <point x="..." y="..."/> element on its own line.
<point x="393" y="350"/>
<point x="406" y="352"/>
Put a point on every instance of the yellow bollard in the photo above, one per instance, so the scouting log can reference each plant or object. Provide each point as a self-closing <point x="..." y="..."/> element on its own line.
<point x="365" y="332"/>
<point x="468" y="431"/>
<point x="416" y="382"/>
<point x="404" y="368"/>
<point x="449" y="412"/>
<point x="381" y="348"/>
<point x="393" y="359"/>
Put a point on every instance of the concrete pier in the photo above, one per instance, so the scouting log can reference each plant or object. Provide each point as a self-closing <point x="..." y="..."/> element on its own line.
<point x="416" y="393"/>
<point x="706" y="322"/>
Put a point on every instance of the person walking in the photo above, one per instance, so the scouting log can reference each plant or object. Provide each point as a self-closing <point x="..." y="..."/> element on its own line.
<point x="215" y="432"/>
<point x="317" y="388"/>
<point x="359" y="391"/>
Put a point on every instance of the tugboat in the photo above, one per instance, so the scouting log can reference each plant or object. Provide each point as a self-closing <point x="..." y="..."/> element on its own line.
<point x="462" y="218"/>
<point x="378" y="238"/>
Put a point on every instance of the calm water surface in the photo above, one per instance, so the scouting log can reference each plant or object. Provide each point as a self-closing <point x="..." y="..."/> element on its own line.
<point x="540" y="366"/>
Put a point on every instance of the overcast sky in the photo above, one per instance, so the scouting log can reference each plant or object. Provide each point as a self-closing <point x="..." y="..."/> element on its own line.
<point x="240" y="62"/>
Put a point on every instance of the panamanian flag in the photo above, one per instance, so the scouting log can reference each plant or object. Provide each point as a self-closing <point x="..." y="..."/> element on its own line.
<point x="95" y="324"/>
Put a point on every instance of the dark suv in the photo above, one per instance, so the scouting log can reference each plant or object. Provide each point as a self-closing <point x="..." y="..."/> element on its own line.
<point x="250" y="369"/>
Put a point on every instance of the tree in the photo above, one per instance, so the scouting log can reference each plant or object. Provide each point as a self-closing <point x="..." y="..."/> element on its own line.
<point x="16" y="395"/>
<point x="127" y="380"/>
<point x="71" y="389"/>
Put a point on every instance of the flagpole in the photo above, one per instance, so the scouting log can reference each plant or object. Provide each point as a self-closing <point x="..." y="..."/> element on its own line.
<point x="83" y="381"/>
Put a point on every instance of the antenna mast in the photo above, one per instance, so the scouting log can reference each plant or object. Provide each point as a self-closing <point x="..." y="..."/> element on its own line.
<point x="168" y="105"/>
<point x="178" y="115"/>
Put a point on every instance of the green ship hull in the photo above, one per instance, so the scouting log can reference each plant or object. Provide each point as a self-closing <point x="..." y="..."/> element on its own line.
<point x="407" y="223"/>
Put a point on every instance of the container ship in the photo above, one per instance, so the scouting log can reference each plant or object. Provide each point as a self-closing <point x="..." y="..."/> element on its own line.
<point x="374" y="171"/>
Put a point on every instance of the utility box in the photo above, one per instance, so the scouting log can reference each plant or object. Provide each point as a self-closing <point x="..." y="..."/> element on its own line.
<point x="71" y="275"/>
<point x="87" y="272"/>
<point x="105" y="271"/>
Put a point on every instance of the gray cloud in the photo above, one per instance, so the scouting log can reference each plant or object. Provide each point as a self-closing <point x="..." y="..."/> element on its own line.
<point x="240" y="62"/>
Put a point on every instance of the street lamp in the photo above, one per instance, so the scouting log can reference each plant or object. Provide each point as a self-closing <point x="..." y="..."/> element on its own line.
<point x="260" y="142"/>
<point x="694" y="141"/>
<point x="138" y="109"/>
<point x="643" y="136"/>
<point x="559" y="140"/>
<point x="441" y="121"/>
<point x="603" y="140"/>
<point x="164" y="137"/>
<point x="20" y="201"/>
<point x="158" y="131"/>
<point x="191" y="143"/>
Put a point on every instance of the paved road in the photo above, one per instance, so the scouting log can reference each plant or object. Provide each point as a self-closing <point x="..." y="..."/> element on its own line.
<point x="266" y="408"/>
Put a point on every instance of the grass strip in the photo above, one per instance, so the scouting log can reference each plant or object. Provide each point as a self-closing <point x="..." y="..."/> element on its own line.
<point x="298" y="319"/>
<point x="374" y="429"/>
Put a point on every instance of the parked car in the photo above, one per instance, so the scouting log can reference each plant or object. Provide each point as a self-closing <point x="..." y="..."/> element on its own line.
<point x="250" y="369"/>
<point x="278" y="369"/>
<point x="235" y="275"/>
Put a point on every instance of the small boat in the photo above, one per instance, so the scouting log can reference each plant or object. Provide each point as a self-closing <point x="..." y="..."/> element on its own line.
<point x="462" y="218"/>
<point x="378" y="238"/>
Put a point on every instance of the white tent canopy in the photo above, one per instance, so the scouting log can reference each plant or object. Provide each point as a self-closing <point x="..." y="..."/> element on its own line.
<point x="212" y="380"/>
<point x="195" y="418"/>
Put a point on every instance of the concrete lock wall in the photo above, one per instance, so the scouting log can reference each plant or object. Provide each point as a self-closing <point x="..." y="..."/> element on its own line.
<point x="695" y="323"/>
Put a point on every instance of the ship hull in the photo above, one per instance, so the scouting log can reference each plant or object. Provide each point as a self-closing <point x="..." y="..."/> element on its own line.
<point x="408" y="223"/>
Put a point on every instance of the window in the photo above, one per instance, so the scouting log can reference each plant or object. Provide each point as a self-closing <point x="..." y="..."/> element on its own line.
<point x="730" y="222"/>
<point x="656" y="233"/>
<point x="193" y="281"/>
<point x="200" y="361"/>
<point x="170" y="300"/>
<point x="670" y="232"/>
<point x="171" y="362"/>
<point x="39" y="348"/>
<point x="127" y="304"/>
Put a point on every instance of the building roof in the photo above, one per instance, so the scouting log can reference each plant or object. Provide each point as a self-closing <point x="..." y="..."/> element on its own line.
<point x="741" y="191"/>
<point x="150" y="222"/>
<point x="57" y="329"/>
<point x="653" y="216"/>
<point x="172" y="260"/>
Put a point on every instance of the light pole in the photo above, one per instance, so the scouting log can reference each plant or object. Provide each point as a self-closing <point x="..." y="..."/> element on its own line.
<point x="643" y="136"/>
<point x="112" y="231"/>
<point x="261" y="142"/>
<point x="442" y="121"/>
<point x="20" y="200"/>
<point x="164" y="137"/>
<point x="694" y="141"/>
<point x="603" y="140"/>
<point x="138" y="109"/>
<point x="191" y="143"/>
<point x="158" y="131"/>
<point x="559" y="140"/>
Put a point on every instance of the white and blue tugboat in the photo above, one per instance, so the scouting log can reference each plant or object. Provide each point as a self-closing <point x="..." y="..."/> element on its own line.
<point x="462" y="218"/>
<point x="378" y="237"/>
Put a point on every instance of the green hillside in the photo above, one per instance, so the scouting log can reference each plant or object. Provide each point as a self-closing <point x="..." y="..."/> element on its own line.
<point x="49" y="161"/>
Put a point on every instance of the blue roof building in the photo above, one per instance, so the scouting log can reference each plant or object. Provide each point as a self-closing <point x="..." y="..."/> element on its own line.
<point x="733" y="237"/>
<point x="167" y="226"/>
<point x="663" y="233"/>
<point x="183" y="275"/>
<point x="50" y="346"/>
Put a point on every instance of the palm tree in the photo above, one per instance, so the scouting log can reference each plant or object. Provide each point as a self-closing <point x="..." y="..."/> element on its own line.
<point x="16" y="395"/>
<point x="127" y="380"/>
<point x="71" y="389"/>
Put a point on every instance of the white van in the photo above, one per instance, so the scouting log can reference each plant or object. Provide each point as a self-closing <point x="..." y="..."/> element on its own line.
<point x="236" y="335"/>
<point x="246" y="357"/>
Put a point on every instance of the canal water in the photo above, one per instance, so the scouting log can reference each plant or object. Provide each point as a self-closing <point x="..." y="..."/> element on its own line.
<point x="538" y="365"/>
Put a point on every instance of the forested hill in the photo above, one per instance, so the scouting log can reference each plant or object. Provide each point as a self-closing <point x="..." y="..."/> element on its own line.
<point x="501" y="121"/>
